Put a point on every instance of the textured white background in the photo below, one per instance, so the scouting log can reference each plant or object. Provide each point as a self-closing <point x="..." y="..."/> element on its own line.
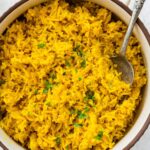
<point x="143" y="143"/>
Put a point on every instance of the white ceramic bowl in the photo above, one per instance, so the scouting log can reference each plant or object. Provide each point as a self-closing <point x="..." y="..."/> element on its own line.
<point x="142" y="118"/>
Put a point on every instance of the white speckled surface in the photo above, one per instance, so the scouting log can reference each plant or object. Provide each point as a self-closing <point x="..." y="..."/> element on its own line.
<point x="143" y="143"/>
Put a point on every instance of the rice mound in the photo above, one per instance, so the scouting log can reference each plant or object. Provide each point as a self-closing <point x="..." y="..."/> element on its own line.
<point x="59" y="89"/>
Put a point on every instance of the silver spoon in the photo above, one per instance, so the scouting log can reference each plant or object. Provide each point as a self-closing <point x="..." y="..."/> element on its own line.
<point x="123" y="65"/>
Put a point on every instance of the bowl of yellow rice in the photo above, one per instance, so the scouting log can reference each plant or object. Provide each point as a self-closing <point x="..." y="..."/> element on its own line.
<point x="59" y="89"/>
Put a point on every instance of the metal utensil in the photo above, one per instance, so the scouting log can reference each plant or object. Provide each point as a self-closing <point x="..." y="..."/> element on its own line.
<point x="123" y="65"/>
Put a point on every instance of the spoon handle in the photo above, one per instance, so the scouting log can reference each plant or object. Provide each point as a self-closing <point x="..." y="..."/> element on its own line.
<point x="136" y="11"/>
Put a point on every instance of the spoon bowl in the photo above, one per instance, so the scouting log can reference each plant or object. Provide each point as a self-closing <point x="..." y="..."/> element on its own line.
<point x="125" y="67"/>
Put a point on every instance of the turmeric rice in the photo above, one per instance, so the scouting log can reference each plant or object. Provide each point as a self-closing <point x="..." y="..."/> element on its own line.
<point x="59" y="89"/>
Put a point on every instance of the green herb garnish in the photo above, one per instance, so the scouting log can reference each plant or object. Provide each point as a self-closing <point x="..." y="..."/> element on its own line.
<point x="86" y="98"/>
<point x="99" y="135"/>
<point x="86" y="109"/>
<point x="75" y="49"/>
<point x="83" y="63"/>
<point x="80" y="78"/>
<point x="80" y="53"/>
<point x="48" y="86"/>
<point x="52" y="75"/>
<point x="78" y="50"/>
<point x="48" y="103"/>
<point x="67" y="63"/>
<point x="36" y="92"/>
<point x="58" y="140"/>
<point x="45" y="91"/>
<point x="76" y="70"/>
<point x="89" y="95"/>
<point x="72" y="111"/>
<point x="41" y="45"/>
<point x="77" y="124"/>
<point x="82" y="116"/>
<point x="67" y="147"/>
<point x="2" y="82"/>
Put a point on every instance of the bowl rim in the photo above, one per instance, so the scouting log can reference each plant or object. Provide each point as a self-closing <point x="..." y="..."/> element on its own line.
<point x="143" y="29"/>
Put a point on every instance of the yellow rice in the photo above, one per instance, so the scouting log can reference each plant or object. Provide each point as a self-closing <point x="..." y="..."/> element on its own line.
<point x="61" y="89"/>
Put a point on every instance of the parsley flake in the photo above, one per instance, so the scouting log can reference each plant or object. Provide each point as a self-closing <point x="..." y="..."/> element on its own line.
<point x="80" y="78"/>
<point x="41" y="45"/>
<point x="78" y="50"/>
<point x="67" y="63"/>
<point x="72" y="111"/>
<point x="86" y="109"/>
<point x="81" y="115"/>
<point x="48" y="103"/>
<point x="2" y="82"/>
<point x="52" y="75"/>
<point x="89" y="95"/>
<point x="78" y="124"/>
<point x="75" y="49"/>
<point x="58" y="140"/>
<point x="83" y="63"/>
<point x="80" y="53"/>
<point x="99" y="135"/>
<point x="36" y="92"/>
<point x="76" y="70"/>
<point x="67" y="147"/>
<point x="48" y="86"/>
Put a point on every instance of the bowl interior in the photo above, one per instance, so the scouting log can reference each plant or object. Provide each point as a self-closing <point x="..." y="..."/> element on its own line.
<point x="117" y="8"/>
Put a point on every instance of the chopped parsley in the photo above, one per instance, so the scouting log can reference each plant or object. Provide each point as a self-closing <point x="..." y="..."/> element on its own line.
<point x="99" y="135"/>
<point x="86" y="109"/>
<point x="80" y="78"/>
<point x="82" y="115"/>
<point x="80" y="53"/>
<point x="79" y="113"/>
<point x="67" y="147"/>
<point x="83" y="63"/>
<point x="41" y="45"/>
<point x="78" y="124"/>
<point x="86" y="98"/>
<point x="89" y="95"/>
<point x="76" y="48"/>
<point x="76" y="70"/>
<point x="48" y="86"/>
<point x="2" y="82"/>
<point x="58" y="140"/>
<point x="45" y="91"/>
<point x="36" y="92"/>
<point x="72" y="111"/>
<point x="52" y="75"/>
<point x="67" y="63"/>
<point x="48" y="103"/>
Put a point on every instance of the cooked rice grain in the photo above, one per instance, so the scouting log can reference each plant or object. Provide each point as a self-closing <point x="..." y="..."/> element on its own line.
<point x="61" y="90"/>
